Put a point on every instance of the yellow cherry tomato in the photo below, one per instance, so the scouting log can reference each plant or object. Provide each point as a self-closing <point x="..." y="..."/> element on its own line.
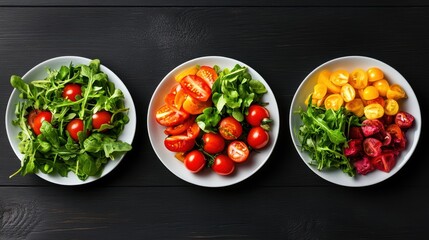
<point x="189" y="71"/>
<point x="319" y="91"/>
<point x="358" y="79"/>
<point x="348" y="92"/>
<point x="395" y="92"/>
<point x="373" y="111"/>
<point x="339" y="77"/>
<point x="334" y="101"/>
<point x="369" y="93"/>
<point x="382" y="86"/>
<point x="355" y="106"/>
<point x="314" y="101"/>
<point x="375" y="74"/>
<point x="391" y="107"/>
<point x="324" y="77"/>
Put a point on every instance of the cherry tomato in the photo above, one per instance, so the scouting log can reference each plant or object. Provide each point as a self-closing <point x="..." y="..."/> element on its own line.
<point x="71" y="91"/>
<point x="382" y="86"/>
<point x="354" y="147"/>
<point x="181" y="128"/>
<point x="258" y="138"/>
<point x="356" y="107"/>
<point x="213" y="143"/>
<point x="339" y="77"/>
<point x="358" y="79"/>
<point x="35" y="121"/>
<point x="189" y="71"/>
<point x="179" y="143"/>
<point x="324" y="78"/>
<point x="370" y="127"/>
<point x="379" y="100"/>
<point x="179" y="98"/>
<point x="169" y="116"/>
<point x="193" y="131"/>
<point x="30" y="118"/>
<point x="319" y="90"/>
<point x="375" y="74"/>
<point x="391" y="107"/>
<point x="384" y="162"/>
<point x="223" y="165"/>
<point x="194" y="106"/>
<point x="398" y="138"/>
<point x="334" y="102"/>
<point x="208" y="74"/>
<point x="404" y="120"/>
<point x="100" y="118"/>
<point x="396" y="92"/>
<point x="196" y="87"/>
<point x="372" y="147"/>
<point x="230" y="128"/>
<point x="348" y="93"/>
<point x="256" y="115"/>
<point x="373" y="111"/>
<point x="314" y="101"/>
<point x="195" y="161"/>
<point x="74" y="127"/>
<point x="369" y="93"/>
<point x="238" y="151"/>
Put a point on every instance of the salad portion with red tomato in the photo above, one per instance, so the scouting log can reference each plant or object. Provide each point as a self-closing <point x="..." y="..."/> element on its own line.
<point x="70" y="121"/>
<point x="214" y="118"/>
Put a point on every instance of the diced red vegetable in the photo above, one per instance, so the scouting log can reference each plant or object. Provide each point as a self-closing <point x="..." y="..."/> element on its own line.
<point x="363" y="166"/>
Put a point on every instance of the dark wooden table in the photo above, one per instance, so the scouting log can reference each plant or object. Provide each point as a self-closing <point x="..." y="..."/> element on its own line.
<point x="141" y="42"/>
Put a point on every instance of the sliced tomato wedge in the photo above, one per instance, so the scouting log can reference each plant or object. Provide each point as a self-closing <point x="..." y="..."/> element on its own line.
<point x="194" y="106"/>
<point x="193" y="131"/>
<point x="179" y="129"/>
<point x="180" y="98"/>
<point x="179" y="143"/>
<point x="384" y="162"/>
<point x="170" y="116"/>
<point x="208" y="74"/>
<point x="196" y="87"/>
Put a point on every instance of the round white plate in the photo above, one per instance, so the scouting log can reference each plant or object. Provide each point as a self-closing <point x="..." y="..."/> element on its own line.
<point x="410" y="105"/>
<point x="39" y="72"/>
<point x="207" y="177"/>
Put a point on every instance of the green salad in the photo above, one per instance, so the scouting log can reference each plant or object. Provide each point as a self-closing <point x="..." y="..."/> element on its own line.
<point x="70" y="121"/>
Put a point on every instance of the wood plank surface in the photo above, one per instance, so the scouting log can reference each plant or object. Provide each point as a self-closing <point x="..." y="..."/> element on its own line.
<point x="141" y="199"/>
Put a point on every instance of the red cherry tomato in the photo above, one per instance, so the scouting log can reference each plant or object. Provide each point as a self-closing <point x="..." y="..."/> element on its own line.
<point x="256" y="114"/>
<point x="404" y="120"/>
<point x="213" y="143"/>
<point x="372" y="147"/>
<point x="193" y="131"/>
<point x="179" y="143"/>
<point x="35" y="119"/>
<point x="195" y="161"/>
<point x="230" y="128"/>
<point x="168" y="116"/>
<point x="238" y="151"/>
<point x="398" y="138"/>
<point x="258" y="138"/>
<point x="72" y="90"/>
<point x="208" y="74"/>
<point x="181" y="128"/>
<point x="100" y="118"/>
<point x="384" y="162"/>
<point x="73" y="127"/>
<point x="196" y="87"/>
<point x="223" y="165"/>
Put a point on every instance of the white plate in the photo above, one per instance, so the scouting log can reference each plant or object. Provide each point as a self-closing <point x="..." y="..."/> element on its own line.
<point x="39" y="72"/>
<point x="207" y="177"/>
<point x="410" y="105"/>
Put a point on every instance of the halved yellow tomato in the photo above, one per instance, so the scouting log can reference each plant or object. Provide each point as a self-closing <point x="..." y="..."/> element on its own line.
<point x="194" y="106"/>
<point x="358" y="79"/>
<point x="179" y="98"/>
<point x="373" y="111"/>
<point x="324" y="77"/>
<point x="391" y="107"/>
<point x="356" y="107"/>
<point x="319" y="90"/>
<point x="189" y="71"/>
<point x="375" y="74"/>
<point x="348" y="92"/>
<point x="382" y="86"/>
<point x="395" y="92"/>
<point x="339" y="77"/>
<point x="334" y="101"/>
<point x="314" y="101"/>
<point x="369" y="93"/>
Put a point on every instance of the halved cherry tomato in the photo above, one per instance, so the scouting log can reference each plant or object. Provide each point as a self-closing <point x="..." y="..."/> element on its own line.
<point x="375" y="74"/>
<point x="339" y="77"/>
<point x="396" y="92"/>
<point x="194" y="106"/>
<point x="373" y="111"/>
<point x="314" y="101"/>
<point x="193" y="131"/>
<point x="99" y="118"/>
<point x="334" y="102"/>
<point x="398" y="137"/>
<point x="372" y="147"/>
<point x="196" y="87"/>
<point x="382" y="86"/>
<point x="358" y="79"/>
<point x="213" y="143"/>
<point x="189" y="71"/>
<point x="324" y="78"/>
<point x="348" y="92"/>
<point x="195" y="161"/>
<point x="319" y="91"/>
<point x="379" y="100"/>
<point x="208" y="74"/>
<point x="169" y="116"/>
<point x="31" y="116"/>
<point x="74" y="127"/>
<point x="385" y="162"/>
<point x="180" y="98"/>
<point x="404" y="120"/>
<point x="238" y="151"/>
<point x="230" y="128"/>
<point x="258" y="138"/>
<point x="369" y="93"/>
<point x="370" y="127"/>
<point x="356" y="107"/>
<point x="223" y="165"/>
<point x="71" y="91"/>
<point x="256" y="115"/>
<point x="391" y="107"/>
<point x="179" y="143"/>
<point x="35" y="121"/>
<point x="181" y="128"/>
